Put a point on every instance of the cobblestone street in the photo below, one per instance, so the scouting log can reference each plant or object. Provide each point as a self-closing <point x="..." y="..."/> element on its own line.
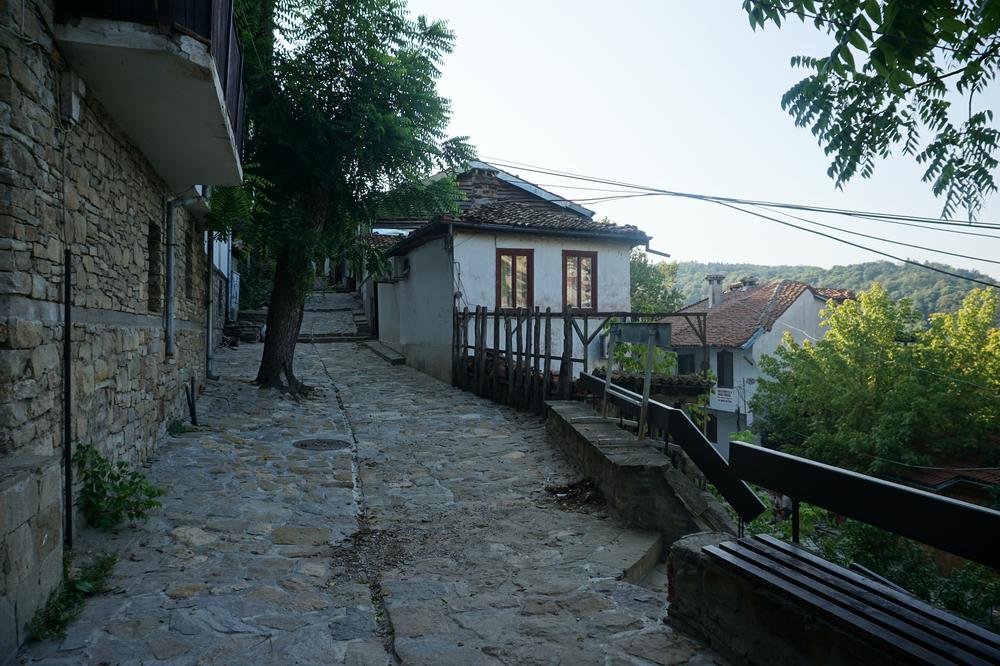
<point x="427" y="538"/>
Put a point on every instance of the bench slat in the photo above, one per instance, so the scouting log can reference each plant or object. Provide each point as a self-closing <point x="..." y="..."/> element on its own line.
<point x="942" y="630"/>
<point x="959" y="624"/>
<point x="859" y="607"/>
<point x="889" y="639"/>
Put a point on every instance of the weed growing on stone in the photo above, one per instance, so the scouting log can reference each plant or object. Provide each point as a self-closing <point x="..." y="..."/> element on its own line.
<point x="111" y="491"/>
<point x="66" y="602"/>
<point x="176" y="428"/>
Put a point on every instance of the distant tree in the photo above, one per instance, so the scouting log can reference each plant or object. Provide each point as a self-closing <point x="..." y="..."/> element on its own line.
<point x="345" y="123"/>
<point x="895" y="71"/>
<point x="877" y="389"/>
<point x="653" y="285"/>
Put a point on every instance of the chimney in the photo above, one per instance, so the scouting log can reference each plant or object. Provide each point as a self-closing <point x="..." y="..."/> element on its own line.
<point x="714" y="289"/>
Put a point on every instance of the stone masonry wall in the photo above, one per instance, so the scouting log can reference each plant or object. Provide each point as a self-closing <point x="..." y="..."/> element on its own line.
<point x="124" y="387"/>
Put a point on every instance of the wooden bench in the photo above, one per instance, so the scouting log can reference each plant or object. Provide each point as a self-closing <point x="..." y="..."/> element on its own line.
<point x="898" y="623"/>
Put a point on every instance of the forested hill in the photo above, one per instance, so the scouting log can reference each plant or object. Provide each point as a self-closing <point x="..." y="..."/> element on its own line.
<point x="929" y="291"/>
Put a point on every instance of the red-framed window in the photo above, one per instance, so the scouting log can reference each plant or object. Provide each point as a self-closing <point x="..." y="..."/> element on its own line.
<point x="515" y="278"/>
<point x="580" y="279"/>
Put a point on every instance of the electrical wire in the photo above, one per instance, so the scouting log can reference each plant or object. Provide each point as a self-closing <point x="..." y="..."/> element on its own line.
<point x="879" y="238"/>
<point x="509" y="164"/>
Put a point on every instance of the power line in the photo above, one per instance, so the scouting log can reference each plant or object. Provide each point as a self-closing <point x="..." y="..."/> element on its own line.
<point x="879" y="238"/>
<point x="858" y="245"/>
<point x="509" y="164"/>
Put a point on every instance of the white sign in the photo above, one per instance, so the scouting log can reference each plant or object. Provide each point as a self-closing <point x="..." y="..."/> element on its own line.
<point x="725" y="396"/>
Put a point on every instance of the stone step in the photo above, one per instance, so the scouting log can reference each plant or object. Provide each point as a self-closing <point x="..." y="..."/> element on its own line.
<point x="391" y="355"/>
<point x="332" y="337"/>
<point x="636" y="553"/>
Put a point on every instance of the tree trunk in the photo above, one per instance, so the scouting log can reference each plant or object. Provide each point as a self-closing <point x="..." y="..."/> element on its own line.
<point x="284" y="317"/>
<point x="284" y="313"/>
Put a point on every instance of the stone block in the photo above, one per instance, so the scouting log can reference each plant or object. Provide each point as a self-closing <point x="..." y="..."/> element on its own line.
<point x="25" y="334"/>
<point x="8" y="627"/>
<point x="46" y="531"/>
<point x="20" y="500"/>
<point x="44" y="359"/>
<point x="15" y="282"/>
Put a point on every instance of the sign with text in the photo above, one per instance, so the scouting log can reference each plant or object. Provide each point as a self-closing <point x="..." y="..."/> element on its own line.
<point x="725" y="396"/>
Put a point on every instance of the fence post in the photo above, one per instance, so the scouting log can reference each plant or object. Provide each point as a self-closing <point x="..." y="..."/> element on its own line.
<point x="475" y="351"/>
<point x="463" y="366"/>
<point x="566" y="364"/>
<point x="482" y="353"/>
<point x="519" y="371"/>
<point x="510" y="360"/>
<point x="534" y="403"/>
<point x="454" y="346"/>
<point x="547" y="363"/>
<point x="529" y="351"/>
<point x="496" y="355"/>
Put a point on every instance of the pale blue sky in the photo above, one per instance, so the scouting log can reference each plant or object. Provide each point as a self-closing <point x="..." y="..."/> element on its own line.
<point x="678" y="94"/>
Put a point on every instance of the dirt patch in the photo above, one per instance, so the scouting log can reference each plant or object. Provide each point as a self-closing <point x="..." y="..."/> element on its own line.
<point x="582" y="495"/>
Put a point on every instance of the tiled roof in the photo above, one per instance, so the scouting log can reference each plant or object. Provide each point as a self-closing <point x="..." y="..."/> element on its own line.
<point x="743" y="312"/>
<point x="950" y="472"/>
<point x="528" y="218"/>
<point x="384" y="241"/>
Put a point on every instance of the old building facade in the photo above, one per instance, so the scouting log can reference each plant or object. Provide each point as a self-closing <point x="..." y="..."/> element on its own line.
<point x="85" y="179"/>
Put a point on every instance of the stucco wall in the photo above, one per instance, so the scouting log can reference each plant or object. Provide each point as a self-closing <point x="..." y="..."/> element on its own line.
<point x="423" y="309"/>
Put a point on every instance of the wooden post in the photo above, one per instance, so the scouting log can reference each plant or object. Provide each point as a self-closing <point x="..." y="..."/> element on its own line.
<point x="586" y="345"/>
<point x="529" y="377"/>
<point x="547" y="364"/>
<point x="510" y="360"/>
<point x="481" y="351"/>
<point x="566" y="364"/>
<point x="646" y="384"/>
<point x="463" y="352"/>
<point x="607" y="373"/>
<point x="496" y="355"/>
<point x="454" y="347"/>
<point x="475" y="351"/>
<point x="536" y="386"/>
<point x="519" y="371"/>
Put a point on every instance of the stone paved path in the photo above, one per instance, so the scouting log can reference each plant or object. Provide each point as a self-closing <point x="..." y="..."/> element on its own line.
<point x="329" y="313"/>
<point x="431" y="540"/>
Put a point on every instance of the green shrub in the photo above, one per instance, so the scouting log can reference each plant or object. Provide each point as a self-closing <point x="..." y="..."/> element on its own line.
<point x="112" y="492"/>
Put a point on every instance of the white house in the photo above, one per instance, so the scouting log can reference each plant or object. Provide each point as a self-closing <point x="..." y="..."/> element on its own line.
<point x="513" y="246"/>
<point x="744" y="322"/>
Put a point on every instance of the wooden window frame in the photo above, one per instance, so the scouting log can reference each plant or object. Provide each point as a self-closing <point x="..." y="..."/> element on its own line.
<point x="731" y="379"/>
<point x="516" y="252"/>
<point x="579" y="279"/>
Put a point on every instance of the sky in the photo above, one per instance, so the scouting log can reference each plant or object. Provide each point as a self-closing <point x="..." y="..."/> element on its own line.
<point x="681" y="95"/>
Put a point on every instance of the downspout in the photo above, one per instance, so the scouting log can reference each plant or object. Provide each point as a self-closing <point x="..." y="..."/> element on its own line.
<point x="209" y="301"/>
<point x="172" y="206"/>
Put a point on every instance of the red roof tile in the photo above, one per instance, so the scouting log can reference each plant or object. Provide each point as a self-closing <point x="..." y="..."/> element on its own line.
<point x="744" y="311"/>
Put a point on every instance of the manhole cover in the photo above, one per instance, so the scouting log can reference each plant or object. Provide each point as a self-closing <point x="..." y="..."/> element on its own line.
<point x="322" y="444"/>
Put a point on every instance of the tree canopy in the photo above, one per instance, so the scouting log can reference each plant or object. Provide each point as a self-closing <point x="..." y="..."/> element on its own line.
<point x="928" y="291"/>
<point x="902" y="75"/>
<point x="653" y="284"/>
<point x="345" y="125"/>
<point x="878" y="390"/>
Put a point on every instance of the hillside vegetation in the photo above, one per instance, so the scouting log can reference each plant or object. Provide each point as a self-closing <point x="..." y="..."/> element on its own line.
<point x="928" y="291"/>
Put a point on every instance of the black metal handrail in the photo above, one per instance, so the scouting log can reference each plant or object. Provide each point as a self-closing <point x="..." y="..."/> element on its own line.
<point x="692" y="441"/>
<point x="957" y="527"/>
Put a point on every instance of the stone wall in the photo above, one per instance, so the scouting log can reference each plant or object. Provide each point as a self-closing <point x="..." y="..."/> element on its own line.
<point x="640" y="483"/>
<point x="125" y="389"/>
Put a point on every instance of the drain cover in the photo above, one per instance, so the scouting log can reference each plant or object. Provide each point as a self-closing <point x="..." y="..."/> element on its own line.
<point x="322" y="444"/>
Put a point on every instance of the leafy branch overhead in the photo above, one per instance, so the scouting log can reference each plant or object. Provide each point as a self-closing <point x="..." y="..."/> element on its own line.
<point x="901" y="74"/>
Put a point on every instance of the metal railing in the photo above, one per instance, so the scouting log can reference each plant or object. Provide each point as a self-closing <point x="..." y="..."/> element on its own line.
<point x="956" y="527"/>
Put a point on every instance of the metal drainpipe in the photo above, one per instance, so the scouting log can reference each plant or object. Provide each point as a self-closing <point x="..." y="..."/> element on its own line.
<point x="172" y="206"/>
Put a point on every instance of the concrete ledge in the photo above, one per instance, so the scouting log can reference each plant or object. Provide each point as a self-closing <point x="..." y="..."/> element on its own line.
<point x="392" y="356"/>
<point x="639" y="482"/>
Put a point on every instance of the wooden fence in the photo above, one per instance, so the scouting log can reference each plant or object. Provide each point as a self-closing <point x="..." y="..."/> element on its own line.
<point x="510" y="356"/>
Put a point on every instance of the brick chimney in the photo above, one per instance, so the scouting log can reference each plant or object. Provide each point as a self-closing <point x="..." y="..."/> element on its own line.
<point x="714" y="289"/>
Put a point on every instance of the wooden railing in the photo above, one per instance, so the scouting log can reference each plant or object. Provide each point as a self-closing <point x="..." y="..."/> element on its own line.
<point x="524" y="357"/>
